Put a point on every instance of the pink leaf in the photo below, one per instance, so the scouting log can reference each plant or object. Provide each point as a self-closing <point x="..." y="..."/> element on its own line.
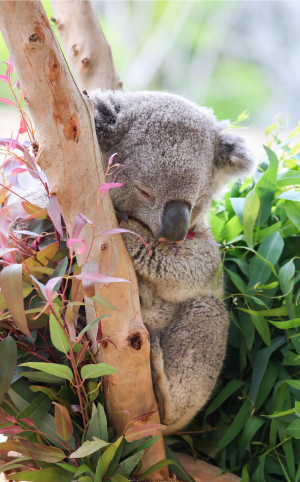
<point x="79" y="222"/>
<point x="100" y="278"/>
<point x="27" y="420"/>
<point x="17" y="211"/>
<point x="13" y="430"/>
<point x="29" y="233"/>
<point x="17" y="145"/>
<point x="18" y="171"/>
<point x="120" y="230"/>
<point x="5" y="78"/>
<point x="110" y="160"/>
<point x="23" y="127"/>
<point x="49" y="290"/>
<point x="9" y="166"/>
<point x="105" y="187"/>
<point x="54" y="214"/>
<point x="6" y="101"/>
<point x="5" y="223"/>
<point x="89" y="285"/>
<point x="72" y="241"/>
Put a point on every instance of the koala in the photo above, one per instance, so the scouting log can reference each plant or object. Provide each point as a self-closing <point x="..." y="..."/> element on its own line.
<point x="176" y="157"/>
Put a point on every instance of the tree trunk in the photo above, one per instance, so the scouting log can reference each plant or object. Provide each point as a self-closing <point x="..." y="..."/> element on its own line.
<point x="69" y="155"/>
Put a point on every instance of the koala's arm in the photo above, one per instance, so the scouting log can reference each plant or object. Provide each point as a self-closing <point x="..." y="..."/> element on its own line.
<point x="194" y="268"/>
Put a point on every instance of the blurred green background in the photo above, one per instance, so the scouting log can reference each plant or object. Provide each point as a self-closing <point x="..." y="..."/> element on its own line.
<point x="230" y="55"/>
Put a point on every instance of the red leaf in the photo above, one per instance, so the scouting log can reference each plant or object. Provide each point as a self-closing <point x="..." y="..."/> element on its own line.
<point x="100" y="278"/>
<point x="105" y="187"/>
<point x="23" y="127"/>
<point x="62" y="422"/>
<point x="136" y="433"/>
<point x="13" y="430"/>
<point x="27" y="420"/>
<point x="120" y="230"/>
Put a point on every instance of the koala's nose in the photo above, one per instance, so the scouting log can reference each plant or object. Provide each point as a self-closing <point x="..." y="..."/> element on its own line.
<point x="175" y="221"/>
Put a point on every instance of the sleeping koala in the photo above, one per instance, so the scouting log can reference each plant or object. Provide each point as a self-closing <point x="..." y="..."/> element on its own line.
<point x="176" y="157"/>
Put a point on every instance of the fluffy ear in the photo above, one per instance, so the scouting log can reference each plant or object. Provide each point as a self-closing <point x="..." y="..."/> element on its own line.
<point x="232" y="156"/>
<point x="107" y="108"/>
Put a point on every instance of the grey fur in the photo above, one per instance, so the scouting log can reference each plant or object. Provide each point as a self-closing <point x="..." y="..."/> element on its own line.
<point x="175" y="151"/>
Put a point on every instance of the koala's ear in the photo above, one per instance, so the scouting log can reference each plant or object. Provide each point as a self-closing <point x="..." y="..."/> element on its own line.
<point x="107" y="108"/>
<point x="232" y="156"/>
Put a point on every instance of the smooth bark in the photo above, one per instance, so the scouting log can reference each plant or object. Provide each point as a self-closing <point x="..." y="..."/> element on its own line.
<point x="69" y="155"/>
<point x="85" y="45"/>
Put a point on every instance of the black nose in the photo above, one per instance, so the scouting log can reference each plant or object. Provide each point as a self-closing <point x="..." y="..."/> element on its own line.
<point x="175" y="221"/>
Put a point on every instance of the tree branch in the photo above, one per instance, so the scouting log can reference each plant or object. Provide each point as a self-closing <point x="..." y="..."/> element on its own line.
<point x="70" y="156"/>
<point x="85" y="45"/>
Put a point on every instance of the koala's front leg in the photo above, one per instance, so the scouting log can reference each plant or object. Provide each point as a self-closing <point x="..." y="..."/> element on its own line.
<point x="188" y="358"/>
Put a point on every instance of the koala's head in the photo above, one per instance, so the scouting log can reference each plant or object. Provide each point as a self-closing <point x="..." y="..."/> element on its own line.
<point x="176" y="156"/>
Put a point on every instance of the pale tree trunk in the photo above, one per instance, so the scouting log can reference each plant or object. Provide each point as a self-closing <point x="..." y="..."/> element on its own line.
<point x="85" y="45"/>
<point x="69" y="155"/>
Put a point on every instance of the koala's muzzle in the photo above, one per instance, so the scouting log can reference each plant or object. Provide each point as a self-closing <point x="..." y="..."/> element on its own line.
<point x="175" y="222"/>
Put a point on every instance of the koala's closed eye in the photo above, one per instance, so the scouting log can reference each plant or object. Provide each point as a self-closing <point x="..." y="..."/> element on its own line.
<point x="146" y="195"/>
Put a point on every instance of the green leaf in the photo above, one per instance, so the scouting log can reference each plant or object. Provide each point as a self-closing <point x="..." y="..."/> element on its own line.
<point x="225" y="393"/>
<point x="108" y="456"/>
<point x="116" y="478"/>
<point x="237" y="280"/>
<point x="36" y="411"/>
<point x="286" y="325"/>
<point x="33" y="450"/>
<point x="293" y="211"/>
<point x="63" y="424"/>
<point x="58" y="336"/>
<point x="87" y="327"/>
<point x="177" y="468"/>
<point x="8" y="359"/>
<point x="294" y="429"/>
<point x="142" y="444"/>
<point x="253" y="424"/>
<point x="88" y="448"/>
<point x="262" y="327"/>
<point x="49" y="474"/>
<point x="288" y="178"/>
<point x="97" y="370"/>
<point x="60" y="371"/>
<point x="282" y="311"/>
<point x="129" y="463"/>
<point x="266" y="186"/>
<point x="260" y="365"/>
<point x="270" y="249"/>
<point x="238" y="207"/>
<point x="158" y="466"/>
<point x="251" y="209"/>
<point x="12" y="290"/>
<point x="231" y="230"/>
<point x="286" y="273"/>
<point x="42" y="377"/>
<point x="97" y="298"/>
<point x="290" y="196"/>
<point x="237" y="425"/>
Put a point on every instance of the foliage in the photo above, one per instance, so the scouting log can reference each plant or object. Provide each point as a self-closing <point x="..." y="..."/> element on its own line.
<point x="51" y="400"/>
<point x="252" y="425"/>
